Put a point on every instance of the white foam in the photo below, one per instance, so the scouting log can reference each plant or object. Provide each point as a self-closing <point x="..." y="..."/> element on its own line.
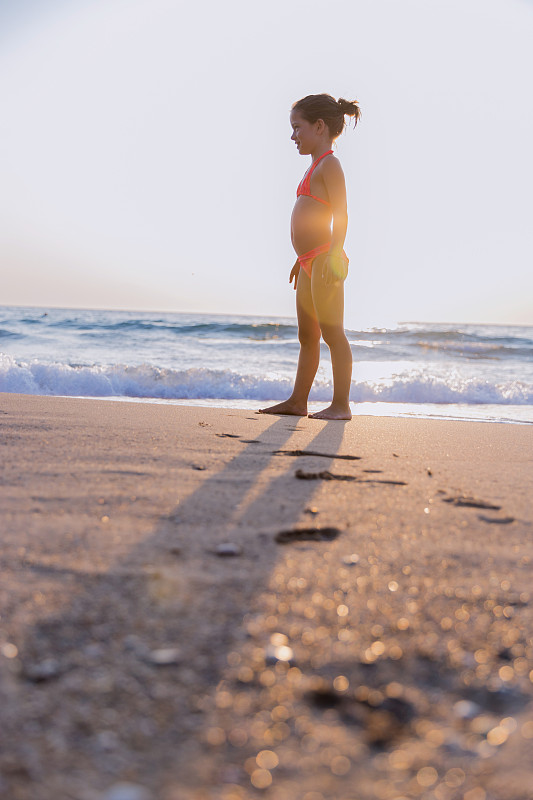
<point x="148" y="381"/>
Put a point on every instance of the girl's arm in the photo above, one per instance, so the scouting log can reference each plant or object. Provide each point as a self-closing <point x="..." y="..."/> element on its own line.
<point x="335" y="264"/>
<point x="295" y="271"/>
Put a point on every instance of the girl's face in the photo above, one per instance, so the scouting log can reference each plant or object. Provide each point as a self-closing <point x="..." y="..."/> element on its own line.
<point x="304" y="133"/>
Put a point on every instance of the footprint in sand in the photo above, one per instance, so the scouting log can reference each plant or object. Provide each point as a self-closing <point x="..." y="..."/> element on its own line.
<point x="324" y="475"/>
<point x="470" y="502"/>
<point x="331" y="476"/>
<point x="307" y="535"/>
<point x="314" y="453"/>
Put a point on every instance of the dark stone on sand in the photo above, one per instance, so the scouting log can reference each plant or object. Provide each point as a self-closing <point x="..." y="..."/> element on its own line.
<point x="470" y="502"/>
<point x="505" y="654"/>
<point x="496" y="520"/>
<point x="228" y="435"/>
<point x="198" y="466"/>
<point x="307" y="535"/>
<point x="401" y="709"/>
<point x="325" y="697"/>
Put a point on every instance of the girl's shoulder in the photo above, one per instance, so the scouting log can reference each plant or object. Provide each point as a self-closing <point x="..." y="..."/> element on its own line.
<point x="331" y="165"/>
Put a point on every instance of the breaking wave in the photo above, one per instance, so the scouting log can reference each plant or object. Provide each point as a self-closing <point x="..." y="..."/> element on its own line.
<point x="149" y="381"/>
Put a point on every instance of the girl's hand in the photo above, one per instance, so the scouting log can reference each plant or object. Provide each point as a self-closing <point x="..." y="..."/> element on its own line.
<point x="334" y="270"/>
<point x="295" y="271"/>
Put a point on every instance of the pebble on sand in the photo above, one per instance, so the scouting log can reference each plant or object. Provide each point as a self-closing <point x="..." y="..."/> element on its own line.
<point x="126" y="791"/>
<point x="164" y="656"/>
<point x="228" y="549"/>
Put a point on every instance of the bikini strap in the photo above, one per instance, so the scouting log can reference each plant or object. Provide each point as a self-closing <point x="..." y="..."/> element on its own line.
<point x="313" y="165"/>
<point x="327" y="153"/>
<point x="305" y="184"/>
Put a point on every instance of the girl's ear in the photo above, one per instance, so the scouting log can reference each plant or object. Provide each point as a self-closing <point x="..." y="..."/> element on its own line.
<point x="320" y="126"/>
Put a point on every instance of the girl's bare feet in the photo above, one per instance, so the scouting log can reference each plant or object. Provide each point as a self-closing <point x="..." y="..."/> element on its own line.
<point x="333" y="412"/>
<point x="287" y="407"/>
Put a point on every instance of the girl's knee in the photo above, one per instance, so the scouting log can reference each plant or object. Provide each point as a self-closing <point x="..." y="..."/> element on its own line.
<point x="333" y="334"/>
<point x="309" y="337"/>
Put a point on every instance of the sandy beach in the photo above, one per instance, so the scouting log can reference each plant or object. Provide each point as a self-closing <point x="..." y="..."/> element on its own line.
<point x="205" y="604"/>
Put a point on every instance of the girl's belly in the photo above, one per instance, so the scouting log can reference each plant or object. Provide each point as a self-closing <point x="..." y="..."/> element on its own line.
<point x="310" y="225"/>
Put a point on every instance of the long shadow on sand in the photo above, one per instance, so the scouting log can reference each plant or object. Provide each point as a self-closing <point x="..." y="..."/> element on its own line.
<point x="125" y="674"/>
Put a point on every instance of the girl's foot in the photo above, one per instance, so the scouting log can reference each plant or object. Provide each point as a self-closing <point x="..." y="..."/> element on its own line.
<point x="332" y="412"/>
<point x="287" y="407"/>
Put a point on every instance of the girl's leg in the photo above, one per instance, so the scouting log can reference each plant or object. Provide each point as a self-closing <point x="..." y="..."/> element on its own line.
<point x="328" y="302"/>
<point x="309" y="336"/>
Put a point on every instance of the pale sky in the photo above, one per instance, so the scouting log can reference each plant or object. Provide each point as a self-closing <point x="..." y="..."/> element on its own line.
<point x="146" y="161"/>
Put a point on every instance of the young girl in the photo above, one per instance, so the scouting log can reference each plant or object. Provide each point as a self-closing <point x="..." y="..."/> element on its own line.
<point x="318" y="229"/>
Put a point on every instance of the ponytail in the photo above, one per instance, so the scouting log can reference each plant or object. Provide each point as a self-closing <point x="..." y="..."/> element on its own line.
<point x="350" y="108"/>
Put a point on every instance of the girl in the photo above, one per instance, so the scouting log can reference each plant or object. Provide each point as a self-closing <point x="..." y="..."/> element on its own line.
<point x="318" y="229"/>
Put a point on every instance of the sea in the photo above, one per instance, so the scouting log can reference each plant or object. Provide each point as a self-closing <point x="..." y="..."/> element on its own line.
<point x="414" y="369"/>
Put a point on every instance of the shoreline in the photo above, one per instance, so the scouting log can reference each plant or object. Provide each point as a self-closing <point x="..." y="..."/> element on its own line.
<point x="372" y="409"/>
<point x="373" y="624"/>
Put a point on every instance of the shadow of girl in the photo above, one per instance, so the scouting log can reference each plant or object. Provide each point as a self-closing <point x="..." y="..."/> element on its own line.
<point x="127" y="669"/>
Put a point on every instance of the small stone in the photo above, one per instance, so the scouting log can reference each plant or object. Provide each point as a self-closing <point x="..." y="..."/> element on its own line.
<point x="135" y="644"/>
<point x="107" y="740"/>
<point x="350" y="560"/>
<point x="164" y="656"/>
<point x="226" y="549"/>
<point x="43" y="671"/>
<point x="312" y="510"/>
<point x="93" y="650"/>
<point x="126" y="791"/>
<point x="198" y="466"/>
<point x="275" y="653"/>
<point x="466" y="709"/>
<point x="175" y="551"/>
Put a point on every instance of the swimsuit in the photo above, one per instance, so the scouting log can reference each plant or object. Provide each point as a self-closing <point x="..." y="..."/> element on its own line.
<point x="304" y="188"/>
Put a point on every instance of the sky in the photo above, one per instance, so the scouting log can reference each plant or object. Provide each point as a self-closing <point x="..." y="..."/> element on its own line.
<point x="146" y="160"/>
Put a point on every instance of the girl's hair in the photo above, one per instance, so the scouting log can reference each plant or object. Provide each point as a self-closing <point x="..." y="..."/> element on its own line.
<point x="324" y="106"/>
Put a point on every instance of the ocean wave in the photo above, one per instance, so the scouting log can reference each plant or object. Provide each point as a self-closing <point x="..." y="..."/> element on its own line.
<point x="267" y="330"/>
<point x="5" y="334"/>
<point x="489" y="343"/>
<point x="149" y="381"/>
<point x="413" y="341"/>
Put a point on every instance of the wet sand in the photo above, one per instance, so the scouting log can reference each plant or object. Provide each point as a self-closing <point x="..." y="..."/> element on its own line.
<point x="205" y="603"/>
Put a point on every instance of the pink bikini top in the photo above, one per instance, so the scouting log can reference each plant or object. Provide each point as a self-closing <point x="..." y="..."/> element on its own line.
<point x="304" y="186"/>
